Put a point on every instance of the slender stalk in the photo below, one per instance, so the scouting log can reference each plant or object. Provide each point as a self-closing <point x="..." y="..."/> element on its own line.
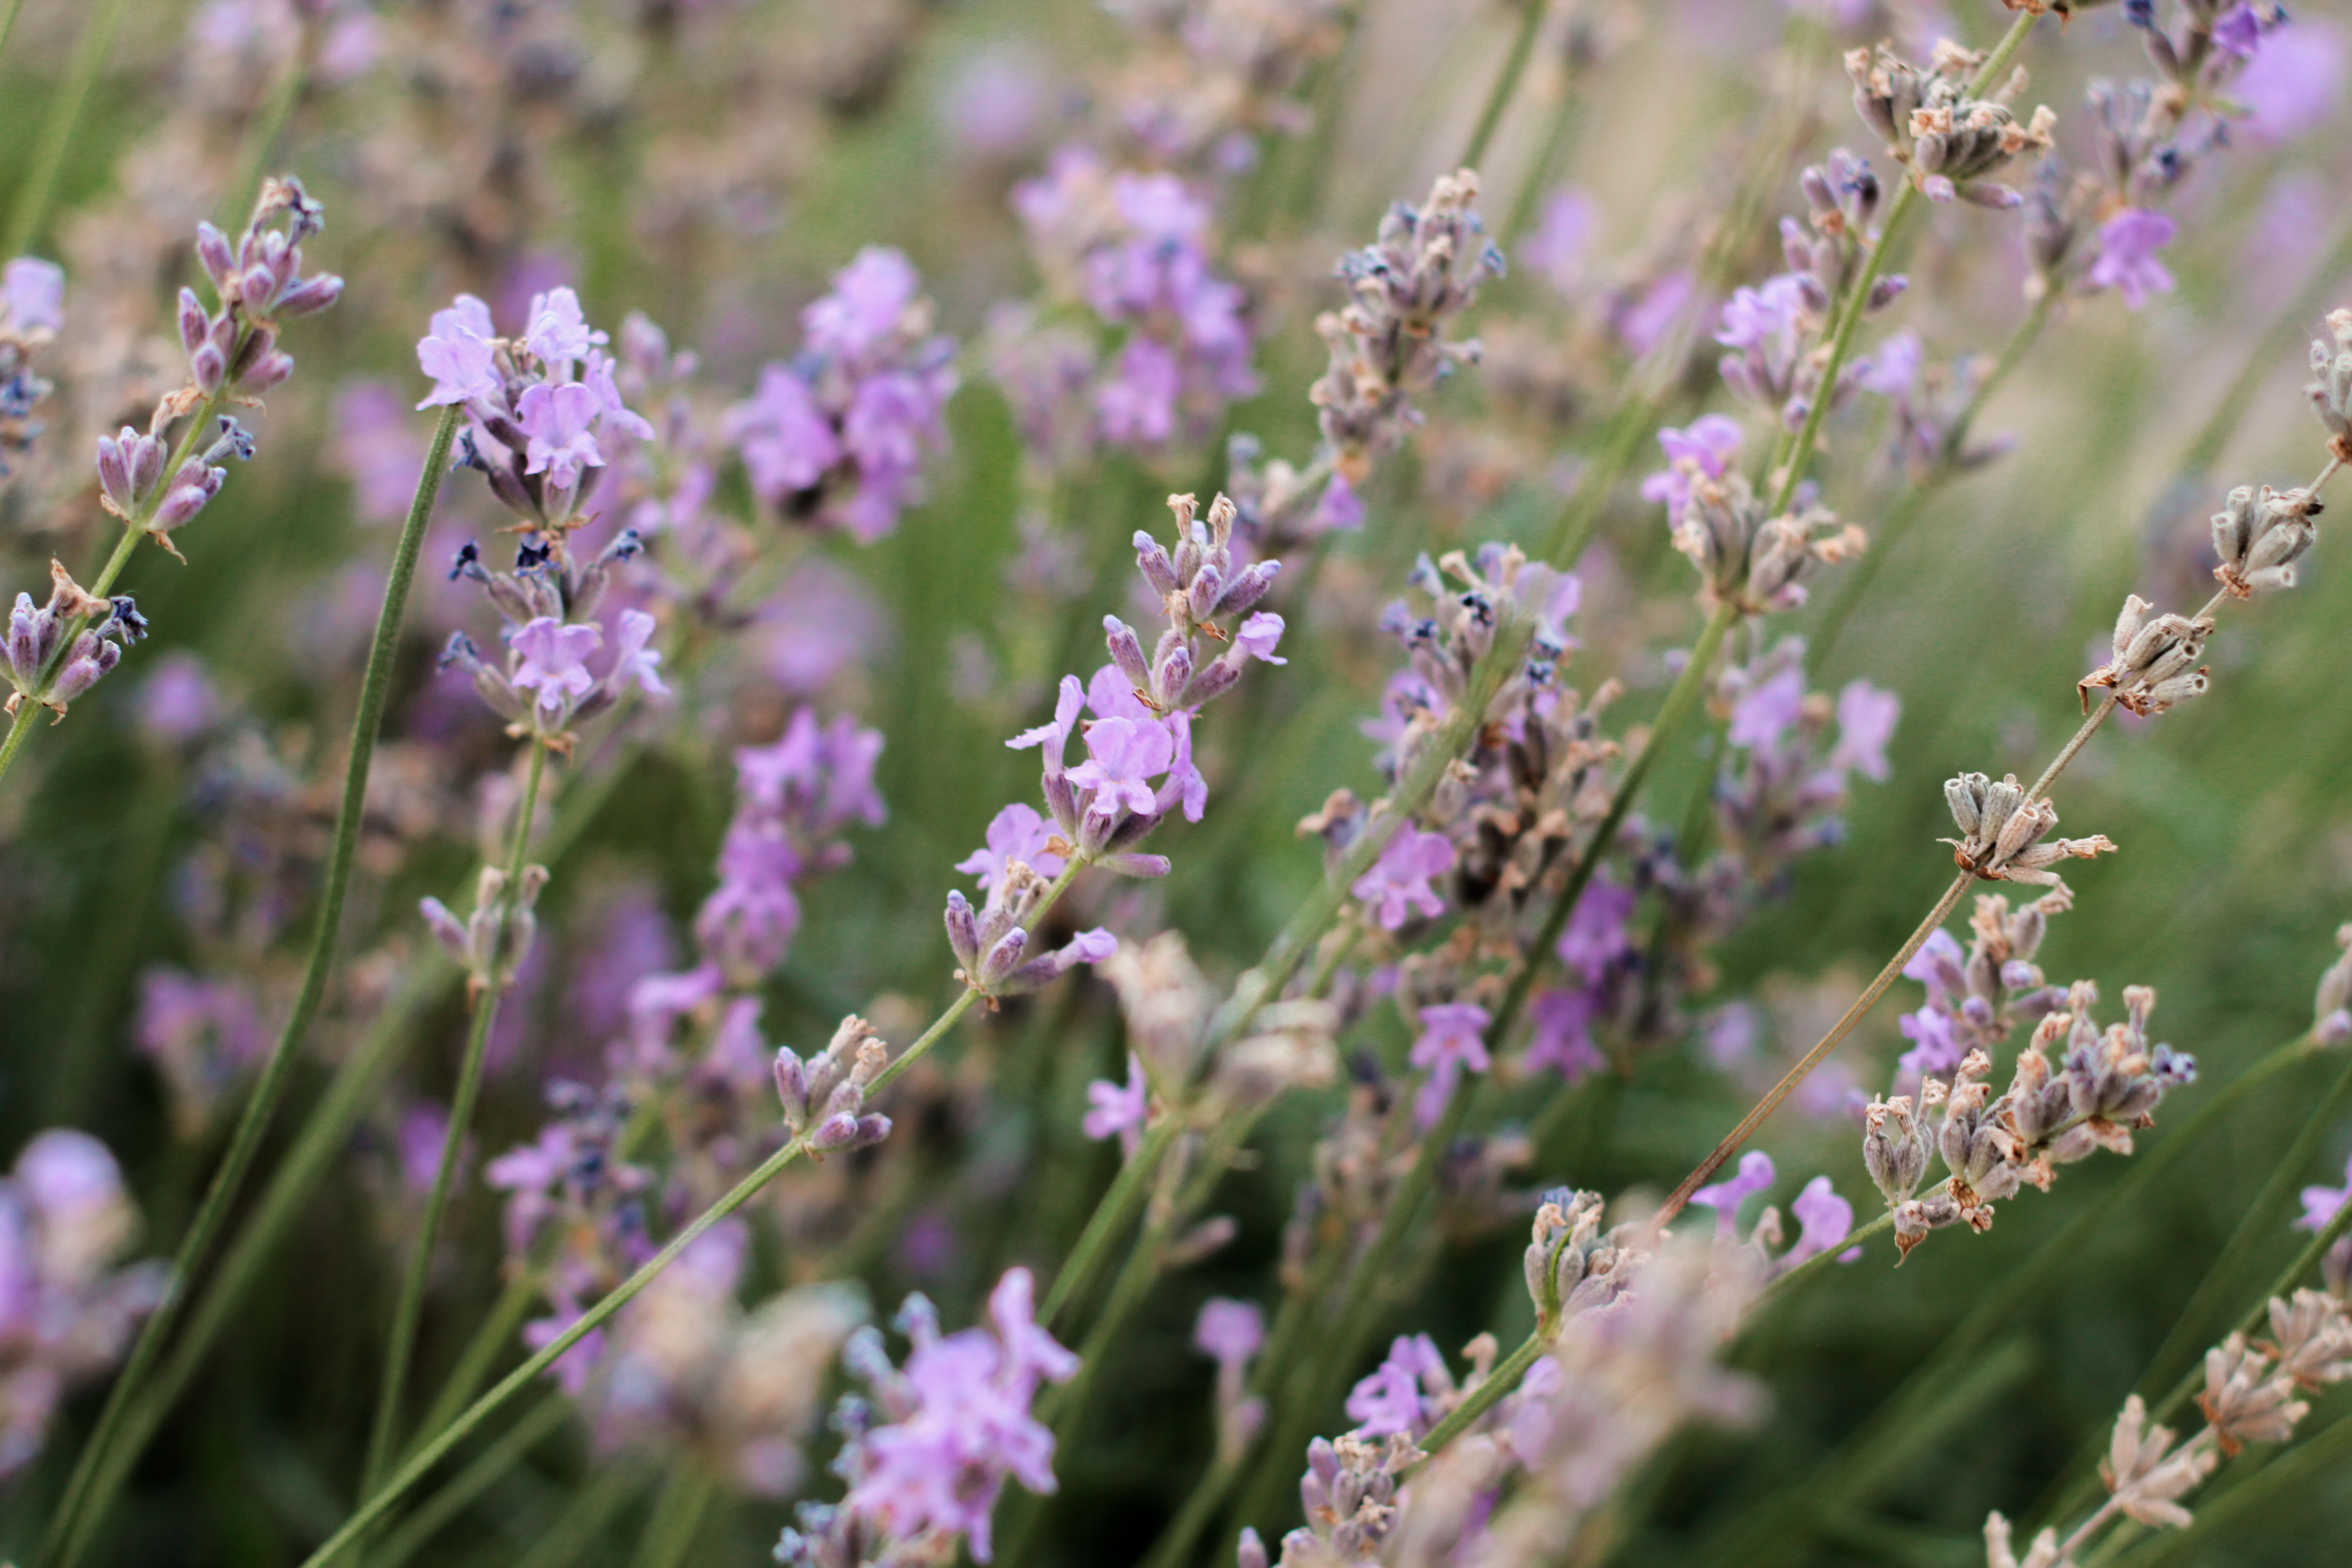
<point x="2288" y="1476"/>
<point x="1486" y="1395"/>
<point x="678" y="1513"/>
<point x="481" y="1353"/>
<point x="1111" y="1219"/>
<point x="512" y="1447"/>
<point x="269" y="1088"/>
<point x="1813" y="1058"/>
<point x="29" y="213"/>
<point x="1506" y="83"/>
<point x="2258" y="1225"/>
<point x="410" y="1303"/>
<point x="324" y="1139"/>
<point x="20" y="729"/>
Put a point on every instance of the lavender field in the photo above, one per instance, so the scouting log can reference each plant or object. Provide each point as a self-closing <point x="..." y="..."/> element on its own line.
<point x="1326" y="783"/>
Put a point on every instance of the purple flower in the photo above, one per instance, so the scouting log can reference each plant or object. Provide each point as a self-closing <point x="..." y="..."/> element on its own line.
<point x="558" y="333"/>
<point x="1644" y="322"/>
<point x="633" y="661"/>
<point x="1563" y="1034"/>
<point x="1557" y="248"/>
<point x="1138" y="403"/>
<point x="1867" y="718"/>
<point x="1122" y="753"/>
<point x="870" y="296"/>
<point x="176" y="702"/>
<point x="554" y="661"/>
<point x="1119" y="1110"/>
<point x="1015" y="833"/>
<point x="34" y="294"/>
<point x="1704" y="448"/>
<point x="1258" y="635"/>
<point x="1229" y="1333"/>
<point x="1596" y="937"/>
<point x="375" y="446"/>
<point x="457" y="354"/>
<point x="559" y="419"/>
<point x="1935" y="1050"/>
<point x="786" y="441"/>
<point x="1756" y="1175"/>
<point x="1770" y="710"/>
<point x="1391" y="1399"/>
<point x="1940" y="965"/>
<point x="1452" y="1037"/>
<point x="960" y="1424"/>
<point x="1827" y="1219"/>
<point x="2322" y="1204"/>
<point x="2127" y="245"/>
<point x="2237" y="31"/>
<point x="2295" y="83"/>
<point x="1892" y="368"/>
<point x="1398" y="882"/>
<point x="1767" y="318"/>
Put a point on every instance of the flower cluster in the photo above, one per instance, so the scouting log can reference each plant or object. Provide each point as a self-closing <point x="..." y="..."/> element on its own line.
<point x="825" y="1097"/>
<point x="1950" y="141"/>
<point x="926" y="1458"/>
<point x="491" y="943"/>
<point x="65" y="1311"/>
<point x="1135" y="247"/>
<point x="544" y="686"/>
<point x="1824" y="1219"/>
<point x="797" y="797"/>
<point x="534" y="405"/>
<point x="2106" y="1083"/>
<point x="836" y="436"/>
<point x="1752" y="561"/>
<point x="57" y="651"/>
<point x="32" y="312"/>
<point x="1216" y="75"/>
<point x="1977" y="999"/>
<point x="2330" y="388"/>
<point x="1388" y="344"/>
<point x="2149" y="670"/>
<point x="2003" y="833"/>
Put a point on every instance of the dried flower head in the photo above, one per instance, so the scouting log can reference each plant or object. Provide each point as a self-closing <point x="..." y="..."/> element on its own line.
<point x="2003" y="832"/>
<point x="1952" y="141"/>
<point x="2150" y="671"/>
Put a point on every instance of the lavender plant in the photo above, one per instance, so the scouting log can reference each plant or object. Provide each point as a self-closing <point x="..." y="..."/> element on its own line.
<point x="546" y="1012"/>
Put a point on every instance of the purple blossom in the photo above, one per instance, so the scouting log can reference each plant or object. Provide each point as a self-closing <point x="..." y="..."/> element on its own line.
<point x="1827" y="1220"/>
<point x="1768" y="317"/>
<point x="377" y="448"/>
<point x="1867" y="718"/>
<point x="1769" y="710"/>
<point x="1452" y="1038"/>
<point x="2323" y="1204"/>
<point x="1596" y="937"/>
<point x="1138" y="403"/>
<point x="869" y="298"/>
<point x="1940" y="965"/>
<point x="785" y="439"/>
<point x="959" y="1424"/>
<point x="1122" y="753"/>
<point x="34" y="291"/>
<point x="1391" y="1399"/>
<point x="1258" y="636"/>
<point x="1643" y="321"/>
<point x="2295" y="83"/>
<point x="1892" y="368"/>
<point x="1563" y="1034"/>
<point x="557" y="333"/>
<point x="1229" y="1333"/>
<point x="1116" y="1110"/>
<point x="2237" y="31"/>
<point x="1704" y="449"/>
<point x="633" y="661"/>
<point x="1557" y="248"/>
<point x="177" y="704"/>
<point x="555" y="660"/>
<point x="1756" y="1175"/>
<point x="1936" y="1050"/>
<point x="1399" y="881"/>
<point x="1014" y="833"/>
<point x="2127" y="245"/>
<point x="458" y="355"/>
<point x="558" y="423"/>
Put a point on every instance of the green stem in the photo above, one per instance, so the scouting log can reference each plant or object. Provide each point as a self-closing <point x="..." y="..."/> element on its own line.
<point x="678" y="1513"/>
<point x="323" y="1141"/>
<point x="1674" y="714"/>
<point x="481" y="1353"/>
<point x="1484" y="1397"/>
<point x="2290" y="1475"/>
<point x="1813" y="1058"/>
<point x="410" y="1303"/>
<point x="2256" y="1227"/>
<point x="20" y="728"/>
<point x="1111" y="1219"/>
<point x="1506" y="83"/>
<point x="30" y="211"/>
<point x="512" y="1447"/>
<point x="245" y="1144"/>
